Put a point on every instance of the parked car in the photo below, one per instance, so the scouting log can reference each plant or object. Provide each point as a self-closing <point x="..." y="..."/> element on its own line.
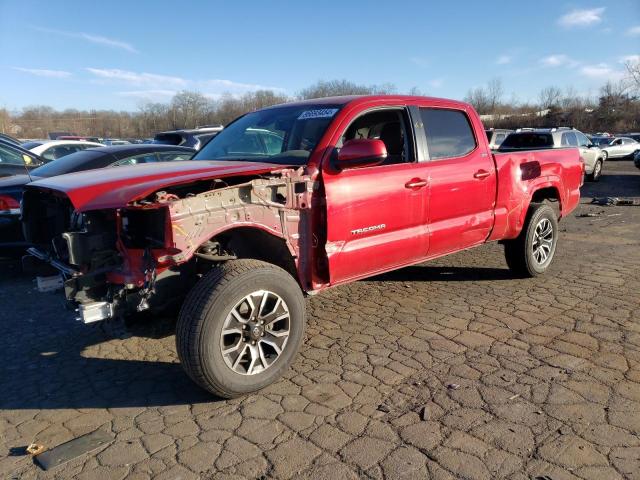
<point x="559" y="137"/>
<point x="600" y="142"/>
<point x="11" y="188"/>
<point x="359" y="186"/>
<point x="9" y="139"/>
<point x="634" y="135"/>
<point x="17" y="160"/>
<point x="77" y="137"/>
<point x="496" y="136"/>
<point x="55" y="149"/>
<point x="114" y="141"/>
<point x="194" y="138"/>
<point x="56" y="135"/>
<point x="621" y="147"/>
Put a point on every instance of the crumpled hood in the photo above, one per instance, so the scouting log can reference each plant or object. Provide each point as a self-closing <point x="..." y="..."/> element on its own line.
<point x="115" y="187"/>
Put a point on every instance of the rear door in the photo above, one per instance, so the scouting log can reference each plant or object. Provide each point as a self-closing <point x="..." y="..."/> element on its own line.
<point x="462" y="181"/>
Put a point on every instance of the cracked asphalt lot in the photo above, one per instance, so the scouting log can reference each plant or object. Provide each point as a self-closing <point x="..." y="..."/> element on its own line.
<point x="452" y="369"/>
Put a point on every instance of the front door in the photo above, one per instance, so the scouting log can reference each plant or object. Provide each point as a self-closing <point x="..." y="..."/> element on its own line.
<point x="376" y="216"/>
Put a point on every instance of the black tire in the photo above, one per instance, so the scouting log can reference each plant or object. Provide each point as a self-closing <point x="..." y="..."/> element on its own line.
<point x="519" y="252"/>
<point x="205" y="309"/>
<point x="597" y="172"/>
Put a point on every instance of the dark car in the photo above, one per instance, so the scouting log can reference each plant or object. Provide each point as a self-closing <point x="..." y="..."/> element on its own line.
<point x="634" y="135"/>
<point x="15" y="160"/>
<point x="194" y="138"/>
<point x="9" y="138"/>
<point x="11" y="188"/>
<point x="600" y="141"/>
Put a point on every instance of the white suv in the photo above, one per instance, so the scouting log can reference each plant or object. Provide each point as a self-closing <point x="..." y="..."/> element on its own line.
<point x="559" y="137"/>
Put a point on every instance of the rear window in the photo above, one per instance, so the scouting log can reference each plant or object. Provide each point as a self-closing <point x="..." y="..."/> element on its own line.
<point x="528" y="140"/>
<point x="449" y="133"/>
<point x="74" y="162"/>
<point x="168" y="139"/>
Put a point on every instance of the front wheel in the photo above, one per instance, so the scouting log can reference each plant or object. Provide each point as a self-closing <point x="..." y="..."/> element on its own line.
<point x="597" y="172"/>
<point x="605" y="155"/>
<point x="240" y="327"/>
<point x="531" y="253"/>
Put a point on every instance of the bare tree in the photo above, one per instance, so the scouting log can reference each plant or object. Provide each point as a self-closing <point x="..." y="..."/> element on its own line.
<point x="334" y="88"/>
<point x="549" y="97"/>
<point x="188" y="109"/>
<point x="479" y="98"/>
<point x="495" y="91"/>
<point x="615" y="108"/>
<point x="633" y="74"/>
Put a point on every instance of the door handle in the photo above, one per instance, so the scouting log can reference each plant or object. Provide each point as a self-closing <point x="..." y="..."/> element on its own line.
<point x="481" y="174"/>
<point x="416" y="183"/>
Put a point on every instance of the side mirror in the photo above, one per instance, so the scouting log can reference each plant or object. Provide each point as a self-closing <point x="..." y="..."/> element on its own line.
<point x="361" y="152"/>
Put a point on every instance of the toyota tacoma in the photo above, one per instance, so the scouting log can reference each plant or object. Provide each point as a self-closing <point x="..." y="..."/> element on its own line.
<point x="286" y="202"/>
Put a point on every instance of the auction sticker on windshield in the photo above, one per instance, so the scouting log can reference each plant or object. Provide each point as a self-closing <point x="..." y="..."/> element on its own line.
<point x="319" y="113"/>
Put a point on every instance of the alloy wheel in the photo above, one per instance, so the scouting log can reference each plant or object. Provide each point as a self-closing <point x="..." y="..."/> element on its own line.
<point x="255" y="332"/>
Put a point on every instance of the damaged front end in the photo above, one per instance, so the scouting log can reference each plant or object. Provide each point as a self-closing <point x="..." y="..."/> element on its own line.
<point x="148" y="253"/>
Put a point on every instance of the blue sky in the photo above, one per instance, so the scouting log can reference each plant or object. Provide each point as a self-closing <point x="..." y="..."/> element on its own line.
<point x="116" y="54"/>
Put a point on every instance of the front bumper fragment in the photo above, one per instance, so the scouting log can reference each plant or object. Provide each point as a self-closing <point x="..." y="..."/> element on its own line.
<point x="95" y="312"/>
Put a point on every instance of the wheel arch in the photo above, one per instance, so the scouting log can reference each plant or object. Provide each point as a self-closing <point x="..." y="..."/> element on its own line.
<point x="255" y="242"/>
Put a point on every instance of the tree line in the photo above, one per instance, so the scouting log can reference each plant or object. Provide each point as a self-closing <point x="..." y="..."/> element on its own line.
<point x="615" y="108"/>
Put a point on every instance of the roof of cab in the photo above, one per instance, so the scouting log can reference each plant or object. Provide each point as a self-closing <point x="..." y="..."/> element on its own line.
<point x="354" y="99"/>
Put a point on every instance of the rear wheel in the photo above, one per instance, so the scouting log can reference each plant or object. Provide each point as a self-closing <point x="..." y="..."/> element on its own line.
<point x="597" y="172"/>
<point x="240" y="327"/>
<point x="531" y="253"/>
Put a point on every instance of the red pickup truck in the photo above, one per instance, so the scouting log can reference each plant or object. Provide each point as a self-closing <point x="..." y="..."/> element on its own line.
<point x="289" y="200"/>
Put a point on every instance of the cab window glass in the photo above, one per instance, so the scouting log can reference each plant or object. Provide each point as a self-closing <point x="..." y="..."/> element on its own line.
<point x="136" y="160"/>
<point x="388" y="125"/>
<point x="174" y="156"/>
<point x="449" y="133"/>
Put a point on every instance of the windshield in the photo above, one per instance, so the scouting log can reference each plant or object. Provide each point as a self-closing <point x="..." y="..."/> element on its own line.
<point x="283" y="135"/>
<point x="73" y="162"/>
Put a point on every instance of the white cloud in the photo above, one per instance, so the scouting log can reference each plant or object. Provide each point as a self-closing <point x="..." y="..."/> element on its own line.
<point x="233" y="87"/>
<point x="419" y="61"/>
<point x="137" y="79"/>
<point x="558" y="60"/>
<point x="601" y="71"/>
<point x="152" y="86"/>
<point x="634" y="31"/>
<point x="504" y="59"/>
<point x="581" y="17"/>
<point x="436" y="82"/>
<point x="40" y="72"/>
<point x="149" y="95"/>
<point x="91" y="38"/>
<point x="629" y="58"/>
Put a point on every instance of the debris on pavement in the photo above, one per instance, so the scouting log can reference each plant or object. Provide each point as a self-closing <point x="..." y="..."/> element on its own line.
<point x="453" y="386"/>
<point x="424" y="413"/>
<point x="611" y="201"/>
<point x="73" y="449"/>
<point x="35" y="449"/>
